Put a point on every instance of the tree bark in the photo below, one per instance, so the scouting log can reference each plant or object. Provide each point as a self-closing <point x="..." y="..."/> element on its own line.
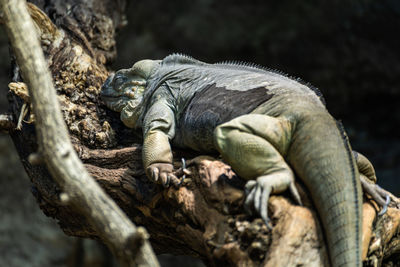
<point x="80" y="191"/>
<point x="204" y="217"/>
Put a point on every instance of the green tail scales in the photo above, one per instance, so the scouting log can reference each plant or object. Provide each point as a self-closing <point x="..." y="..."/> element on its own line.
<point x="321" y="156"/>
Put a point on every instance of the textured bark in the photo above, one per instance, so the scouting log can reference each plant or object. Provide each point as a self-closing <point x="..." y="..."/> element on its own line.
<point x="80" y="191"/>
<point x="204" y="217"/>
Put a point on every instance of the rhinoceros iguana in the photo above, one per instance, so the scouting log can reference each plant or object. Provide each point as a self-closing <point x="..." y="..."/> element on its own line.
<point x="266" y="125"/>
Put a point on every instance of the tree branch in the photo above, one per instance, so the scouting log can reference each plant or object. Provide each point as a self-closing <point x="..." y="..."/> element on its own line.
<point x="79" y="189"/>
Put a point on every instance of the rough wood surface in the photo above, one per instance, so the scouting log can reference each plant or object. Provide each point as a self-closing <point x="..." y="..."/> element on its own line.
<point x="204" y="217"/>
<point x="128" y="243"/>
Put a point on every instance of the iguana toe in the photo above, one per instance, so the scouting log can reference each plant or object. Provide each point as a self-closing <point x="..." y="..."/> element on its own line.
<point x="257" y="201"/>
<point x="165" y="179"/>
<point x="384" y="207"/>
<point x="162" y="173"/>
<point x="258" y="192"/>
<point x="154" y="174"/>
<point x="295" y="193"/>
<point x="248" y="203"/>
<point x="380" y="195"/>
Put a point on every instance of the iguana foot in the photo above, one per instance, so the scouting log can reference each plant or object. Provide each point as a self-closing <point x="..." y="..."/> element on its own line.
<point x="162" y="173"/>
<point x="368" y="182"/>
<point x="259" y="190"/>
<point x="380" y="195"/>
<point x="165" y="174"/>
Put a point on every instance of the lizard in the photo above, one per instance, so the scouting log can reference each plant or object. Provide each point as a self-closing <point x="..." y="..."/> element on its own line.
<point x="267" y="126"/>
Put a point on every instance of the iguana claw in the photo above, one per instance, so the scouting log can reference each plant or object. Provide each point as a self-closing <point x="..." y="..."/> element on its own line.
<point x="183" y="170"/>
<point x="258" y="192"/>
<point x="380" y="195"/>
<point x="384" y="208"/>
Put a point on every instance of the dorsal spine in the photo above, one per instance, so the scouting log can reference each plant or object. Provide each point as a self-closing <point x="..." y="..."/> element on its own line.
<point x="178" y="58"/>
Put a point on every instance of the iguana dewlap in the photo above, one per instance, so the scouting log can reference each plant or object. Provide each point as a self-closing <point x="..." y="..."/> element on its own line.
<point x="265" y="125"/>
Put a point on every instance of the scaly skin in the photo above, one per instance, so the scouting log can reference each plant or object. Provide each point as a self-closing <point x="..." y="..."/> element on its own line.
<point x="330" y="174"/>
<point x="321" y="157"/>
<point x="265" y="125"/>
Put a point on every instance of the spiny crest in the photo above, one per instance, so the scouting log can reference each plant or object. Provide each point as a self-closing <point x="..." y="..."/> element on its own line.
<point x="350" y="156"/>
<point x="342" y="131"/>
<point x="177" y="58"/>
<point x="258" y="68"/>
<point x="242" y="65"/>
<point x="310" y="86"/>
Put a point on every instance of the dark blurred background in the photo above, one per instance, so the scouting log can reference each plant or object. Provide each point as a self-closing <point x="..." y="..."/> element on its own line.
<point x="349" y="49"/>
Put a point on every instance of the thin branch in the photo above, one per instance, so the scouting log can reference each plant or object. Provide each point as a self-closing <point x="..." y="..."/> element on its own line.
<point x="80" y="190"/>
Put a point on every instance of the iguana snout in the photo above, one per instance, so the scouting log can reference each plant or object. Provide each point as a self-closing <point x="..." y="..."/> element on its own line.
<point x="106" y="89"/>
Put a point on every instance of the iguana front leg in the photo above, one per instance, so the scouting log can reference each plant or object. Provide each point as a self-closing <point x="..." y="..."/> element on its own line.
<point x="157" y="158"/>
<point x="158" y="129"/>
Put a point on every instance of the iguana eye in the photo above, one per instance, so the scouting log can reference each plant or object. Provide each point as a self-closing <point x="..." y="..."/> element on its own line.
<point x="118" y="81"/>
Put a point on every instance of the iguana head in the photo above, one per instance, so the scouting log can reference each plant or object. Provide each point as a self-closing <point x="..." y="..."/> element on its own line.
<point x="123" y="91"/>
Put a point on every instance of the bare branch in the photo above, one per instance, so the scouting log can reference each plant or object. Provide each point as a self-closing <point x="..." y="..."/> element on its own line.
<point x="116" y="230"/>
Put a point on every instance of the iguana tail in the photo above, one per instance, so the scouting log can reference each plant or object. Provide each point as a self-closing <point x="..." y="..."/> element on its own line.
<point x="321" y="156"/>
